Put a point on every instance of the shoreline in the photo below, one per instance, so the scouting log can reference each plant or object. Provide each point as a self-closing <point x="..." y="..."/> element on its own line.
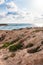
<point x="24" y="28"/>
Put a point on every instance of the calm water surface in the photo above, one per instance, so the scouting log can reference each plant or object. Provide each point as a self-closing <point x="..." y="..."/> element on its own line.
<point x="15" y="26"/>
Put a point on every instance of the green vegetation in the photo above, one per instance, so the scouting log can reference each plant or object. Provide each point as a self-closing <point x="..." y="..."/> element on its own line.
<point x="12" y="47"/>
<point x="15" y="47"/>
<point x="5" y="45"/>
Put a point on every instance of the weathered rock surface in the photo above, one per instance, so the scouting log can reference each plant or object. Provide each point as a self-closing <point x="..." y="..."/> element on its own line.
<point x="30" y="51"/>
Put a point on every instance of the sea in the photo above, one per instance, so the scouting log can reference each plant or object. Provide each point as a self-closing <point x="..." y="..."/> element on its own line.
<point x="15" y="26"/>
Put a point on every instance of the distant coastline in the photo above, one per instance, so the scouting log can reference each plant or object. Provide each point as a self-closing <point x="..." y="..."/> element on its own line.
<point x="3" y="24"/>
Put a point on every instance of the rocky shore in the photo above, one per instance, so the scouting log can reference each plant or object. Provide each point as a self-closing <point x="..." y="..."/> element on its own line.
<point x="21" y="47"/>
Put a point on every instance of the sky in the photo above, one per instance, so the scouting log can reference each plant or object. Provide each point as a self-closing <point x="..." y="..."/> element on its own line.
<point x="21" y="11"/>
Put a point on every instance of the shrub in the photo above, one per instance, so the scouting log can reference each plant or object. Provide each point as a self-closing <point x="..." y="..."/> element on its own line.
<point x="12" y="48"/>
<point x="15" y="47"/>
<point x="5" y="45"/>
<point x="19" y="45"/>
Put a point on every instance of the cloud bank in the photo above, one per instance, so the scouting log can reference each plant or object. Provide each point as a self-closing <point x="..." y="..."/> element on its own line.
<point x="13" y="14"/>
<point x="2" y="1"/>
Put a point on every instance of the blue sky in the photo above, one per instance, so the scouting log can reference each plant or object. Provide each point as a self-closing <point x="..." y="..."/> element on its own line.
<point x="22" y="4"/>
<point x="21" y="11"/>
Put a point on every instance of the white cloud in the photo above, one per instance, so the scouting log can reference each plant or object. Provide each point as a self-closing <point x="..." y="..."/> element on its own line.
<point x="11" y="6"/>
<point x="22" y="16"/>
<point x="3" y="14"/>
<point x="2" y="1"/>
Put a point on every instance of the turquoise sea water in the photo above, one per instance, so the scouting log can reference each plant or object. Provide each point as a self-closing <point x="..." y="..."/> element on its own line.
<point x="15" y="26"/>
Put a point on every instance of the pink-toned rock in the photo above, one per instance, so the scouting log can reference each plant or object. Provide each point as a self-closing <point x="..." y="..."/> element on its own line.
<point x="31" y="52"/>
